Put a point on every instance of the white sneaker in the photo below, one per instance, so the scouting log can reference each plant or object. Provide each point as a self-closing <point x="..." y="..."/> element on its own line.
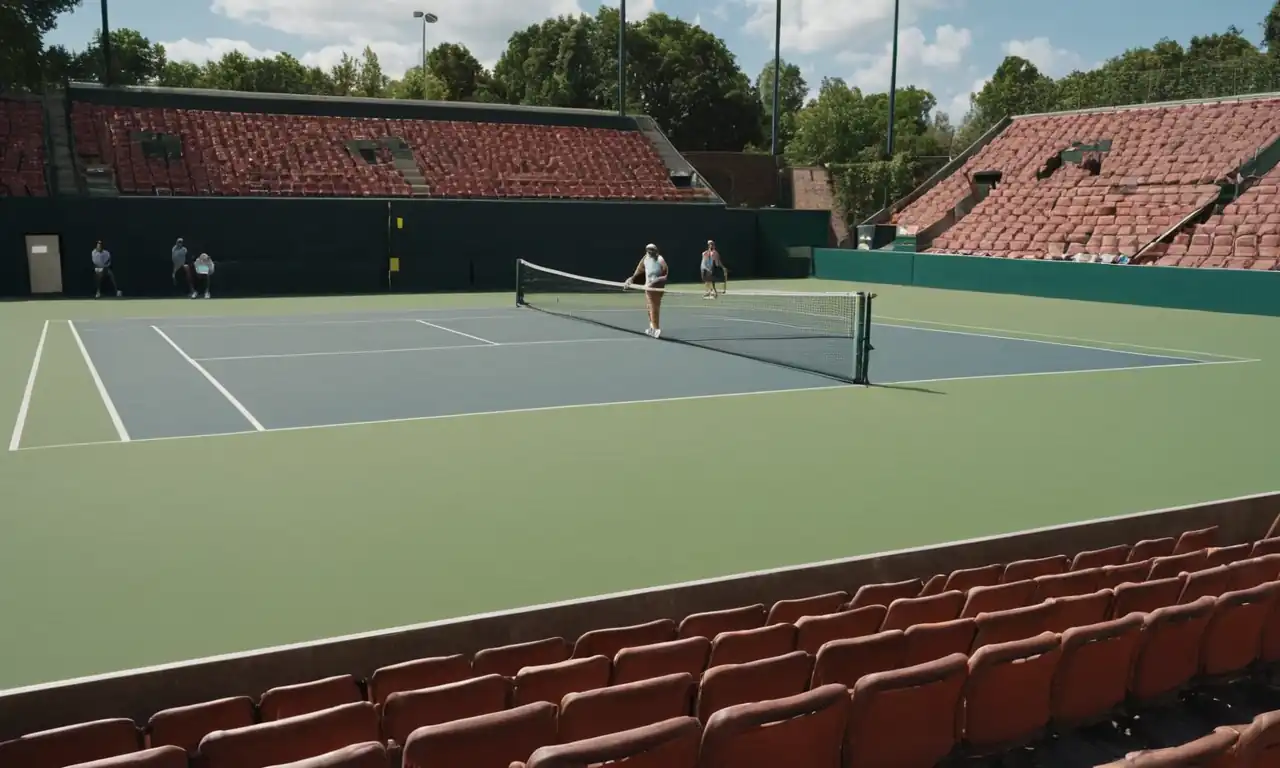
<point x="119" y="294"/>
<point x="97" y="295"/>
<point x="193" y="294"/>
<point x="206" y="294"/>
<point x="648" y="331"/>
<point x="657" y="333"/>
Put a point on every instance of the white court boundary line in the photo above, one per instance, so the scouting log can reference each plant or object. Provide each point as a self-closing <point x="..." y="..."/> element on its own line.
<point x="555" y="604"/>
<point x="1033" y="341"/>
<point x="459" y="333"/>
<point x="216" y="384"/>
<point x="657" y="400"/>
<point x="119" y="326"/>
<point x="447" y="347"/>
<point x="16" y="439"/>
<point x="102" y="388"/>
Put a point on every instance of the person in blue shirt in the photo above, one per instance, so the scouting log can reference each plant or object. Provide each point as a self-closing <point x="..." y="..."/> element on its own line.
<point x="102" y="266"/>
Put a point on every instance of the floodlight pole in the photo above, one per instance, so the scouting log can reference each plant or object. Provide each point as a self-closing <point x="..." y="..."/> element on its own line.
<point x="777" y="69"/>
<point x="893" y="81"/>
<point x="622" y="58"/>
<point x="427" y="18"/>
<point x="106" y="47"/>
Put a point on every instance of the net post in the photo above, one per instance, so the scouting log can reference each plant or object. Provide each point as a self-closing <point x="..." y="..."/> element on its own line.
<point x="519" y="282"/>
<point x="862" y="336"/>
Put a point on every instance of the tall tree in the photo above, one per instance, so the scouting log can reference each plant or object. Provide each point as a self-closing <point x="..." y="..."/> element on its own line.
<point x="457" y="68"/>
<point x="792" y="91"/>
<point x="1271" y="30"/>
<point x="371" y="81"/>
<point x="135" y="60"/>
<point x="345" y="76"/>
<point x="1016" y="88"/>
<point x="415" y="87"/>
<point x="23" y="25"/>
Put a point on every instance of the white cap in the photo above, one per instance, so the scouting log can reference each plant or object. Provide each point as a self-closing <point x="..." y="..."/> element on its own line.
<point x="651" y="247"/>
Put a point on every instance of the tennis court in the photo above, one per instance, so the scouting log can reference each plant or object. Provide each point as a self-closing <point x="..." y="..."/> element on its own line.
<point x="296" y="469"/>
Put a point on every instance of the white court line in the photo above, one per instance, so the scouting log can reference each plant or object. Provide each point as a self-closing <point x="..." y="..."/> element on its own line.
<point x="216" y="384"/>
<point x="1027" y="374"/>
<point x="460" y="333"/>
<point x="876" y="321"/>
<point x="25" y="405"/>
<point x="1034" y="341"/>
<point x="102" y="388"/>
<point x="307" y="323"/>
<point x="445" y="348"/>
<point x="765" y="322"/>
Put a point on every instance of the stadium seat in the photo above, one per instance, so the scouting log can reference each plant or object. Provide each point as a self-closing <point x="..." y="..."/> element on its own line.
<point x="1191" y="541"/>
<point x="1169" y="651"/>
<point x="1258" y="742"/>
<point x="791" y="611"/>
<point x="405" y="711"/>
<point x="1253" y="571"/>
<point x="812" y="632"/>
<point x="847" y="661"/>
<point x="82" y="743"/>
<point x="1013" y="624"/>
<point x="968" y="578"/>
<point x="689" y="655"/>
<point x="420" y="673"/>
<point x="713" y="623"/>
<point x="929" y="642"/>
<point x="772" y="678"/>
<point x="1173" y="565"/>
<point x="1227" y="555"/>
<point x="1149" y="549"/>
<point x="1129" y="573"/>
<point x="1007" y="695"/>
<point x="1099" y="558"/>
<point x="1022" y="570"/>
<point x="1209" y="582"/>
<point x="801" y="731"/>
<point x="185" y="726"/>
<point x="885" y="594"/>
<point x="936" y="585"/>
<point x="496" y="739"/>
<point x="1205" y="752"/>
<point x="1265" y="547"/>
<point x="671" y="743"/>
<point x="291" y="738"/>
<point x="22" y="148"/>
<point x="159" y="757"/>
<point x="907" y="717"/>
<point x="607" y="642"/>
<point x="1146" y="596"/>
<point x="552" y="682"/>
<point x="290" y="700"/>
<point x="1232" y="639"/>
<point x="998" y="597"/>
<point x="1079" y="610"/>
<point x="368" y="755"/>
<point x="751" y="644"/>
<point x="1093" y="672"/>
<point x="508" y="660"/>
<point x="904" y="612"/>
<point x="1081" y="582"/>
<point x="623" y="707"/>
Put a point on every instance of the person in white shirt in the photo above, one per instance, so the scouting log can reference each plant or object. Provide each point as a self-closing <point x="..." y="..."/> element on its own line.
<point x="102" y="266"/>
<point x="653" y="268"/>
<point x="204" y="274"/>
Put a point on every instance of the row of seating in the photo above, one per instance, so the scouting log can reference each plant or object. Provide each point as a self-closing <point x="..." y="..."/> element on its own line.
<point x="1065" y="592"/>
<point x="22" y="157"/>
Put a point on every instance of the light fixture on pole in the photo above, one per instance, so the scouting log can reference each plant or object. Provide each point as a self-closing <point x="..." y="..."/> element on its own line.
<point x="427" y="18"/>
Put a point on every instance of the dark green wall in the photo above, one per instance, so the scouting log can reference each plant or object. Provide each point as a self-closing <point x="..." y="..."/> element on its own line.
<point x="1214" y="290"/>
<point x="781" y="229"/>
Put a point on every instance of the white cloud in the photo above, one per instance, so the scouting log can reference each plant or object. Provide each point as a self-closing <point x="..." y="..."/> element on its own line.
<point x="393" y="57"/>
<point x="809" y="26"/>
<point x="958" y="106"/>
<point x="1054" y="62"/>
<point x="919" y="59"/>
<point x="636" y="9"/>
<point x="210" y="49"/>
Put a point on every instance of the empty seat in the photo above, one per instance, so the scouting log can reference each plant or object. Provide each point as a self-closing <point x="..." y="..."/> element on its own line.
<point x="672" y="743"/>
<point x="1093" y="671"/>
<point x="1079" y="610"/>
<point x="508" y="660"/>
<point x="802" y="731"/>
<point x="1098" y="558"/>
<point x="552" y="682"/>
<point x="158" y="757"/>
<point x="812" y="632"/>
<point x="884" y="594"/>
<point x="405" y="711"/>
<point x="1202" y="538"/>
<point x="1080" y="582"/>
<point x="907" y="717"/>
<point x="368" y="755"/>
<point x="750" y="644"/>
<point x="420" y="673"/>
<point x="607" y="642"/>
<point x="1145" y="597"/>
<point x="934" y="586"/>
<point x="1259" y="741"/>
<point x="641" y="663"/>
<point x="622" y="707"/>
<point x="80" y="743"/>
<point x="1022" y="570"/>
<point x="1007" y="695"/>
<point x="930" y="642"/>
<point x="290" y="700"/>
<point x="1169" y="650"/>
<point x="290" y="738"/>
<point x="185" y="726"/>
<point x="791" y="611"/>
<point x="1207" y="751"/>
<point x="1209" y="582"/>
<point x="1129" y="573"/>
<point x="998" y="597"/>
<point x="1265" y="547"/>
<point x="1226" y="555"/>
<point x="761" y="680"/>
<point x="488" y="741"/>
<point x="905" y="612"/>
<point x="1013" y="624"/>
<point x="1150" y="548"/>
<point x="1173" y="565"/>
<point x="1233" y="637"/>
<point x="965" y="579"/>
<point x="712" y="623"/>
<point x="847" y="661"/>
<point x="1243" y="574"/>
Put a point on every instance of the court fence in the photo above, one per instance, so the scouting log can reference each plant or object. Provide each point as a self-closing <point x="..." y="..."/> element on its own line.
<point x="1212" y="290"/>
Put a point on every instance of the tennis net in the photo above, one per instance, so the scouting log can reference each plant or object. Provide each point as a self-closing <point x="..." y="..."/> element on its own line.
<point x="823" y="333"/>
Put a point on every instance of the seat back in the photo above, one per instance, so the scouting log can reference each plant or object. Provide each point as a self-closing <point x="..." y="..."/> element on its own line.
<point x="646" y="661"/>
<point x="157" y="757"/>
<point x="185" y="726"/>
<point x="1129" y="573"/>
<point x="1021" y="570"/>
<point x="731" y="684"/>
<point x="745" y="645"/>
<point x="965" y="579"/>
<point x="791" y="611"/>
<point x="313" y="696"/>
<point x="804" y="730"/>
<point x="1173" y="565"/>
<point x="672" y="743"/>
<point x="1253" y="571"/>
<point x="1208" y="582"/>
<point x="508" y="660"/>
<point x="885" y="594"/>
<point x="1080" y="582"/>
<point x="1226" y="555"/>
<point x="290" y="738"/>
<point x="908" y="716"/>
<point x="1008" y="692"/>
<point x="488" y="741"/>
<point x="1149" y="548"/>
<point x="998" y="597"/>
<point x="1259" y="742"/>
<point x="847" y="661"/>
<point x="1146" y="596"/>
<point x="72" y="744"/>
<point x="1205" y="752"/>
<point x="712" y="623"/>
<point x="368" y="755"/>
<point x="1093" y="672"/>
<point x="607" y="642"/>
<point x="1233" y="637"/>
<point x="419" y="673"/>
<point x="552" y="682"/>
<point x="1013" y="624"/>
<point x="1201" y="538"/>
<point x="932" y="609"/>
<point x="812" y="632"/>
<point x="623" y="707"/>
<point x="406" y="711"/>
<point x="1098" y="558"/>
<point x="1169" y="650"/>
<point x="929" y="642"/>
<point x="1079" y="610"/>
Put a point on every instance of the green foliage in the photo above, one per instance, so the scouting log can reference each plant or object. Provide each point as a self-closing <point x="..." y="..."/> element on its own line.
<point x="23" y="25"/>
<point x="792" y="91"/>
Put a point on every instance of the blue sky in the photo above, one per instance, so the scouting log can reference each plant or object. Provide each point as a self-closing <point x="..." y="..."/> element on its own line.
<point x="948" y="46"/>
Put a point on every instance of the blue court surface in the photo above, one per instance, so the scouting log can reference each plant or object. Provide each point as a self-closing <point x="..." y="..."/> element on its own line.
<point x="186" y="377"/>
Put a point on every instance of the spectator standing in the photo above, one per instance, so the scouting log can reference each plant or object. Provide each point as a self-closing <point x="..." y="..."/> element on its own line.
<point x="102" y="266"/>
<point x="179" y="258"/>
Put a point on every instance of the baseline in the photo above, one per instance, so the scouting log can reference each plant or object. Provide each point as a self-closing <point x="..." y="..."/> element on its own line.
<point x="216" y="384"/>
<point x="25" y="405"/>
<point x="102" y="388"/>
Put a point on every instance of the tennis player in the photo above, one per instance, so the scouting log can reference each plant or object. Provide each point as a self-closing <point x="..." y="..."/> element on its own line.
<point x="178" y="257"/>
<point x="653" y="268"/>
<point x="711" y="260"/>
<point x="102" y="266"/>
<point x="204" y="273"/>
